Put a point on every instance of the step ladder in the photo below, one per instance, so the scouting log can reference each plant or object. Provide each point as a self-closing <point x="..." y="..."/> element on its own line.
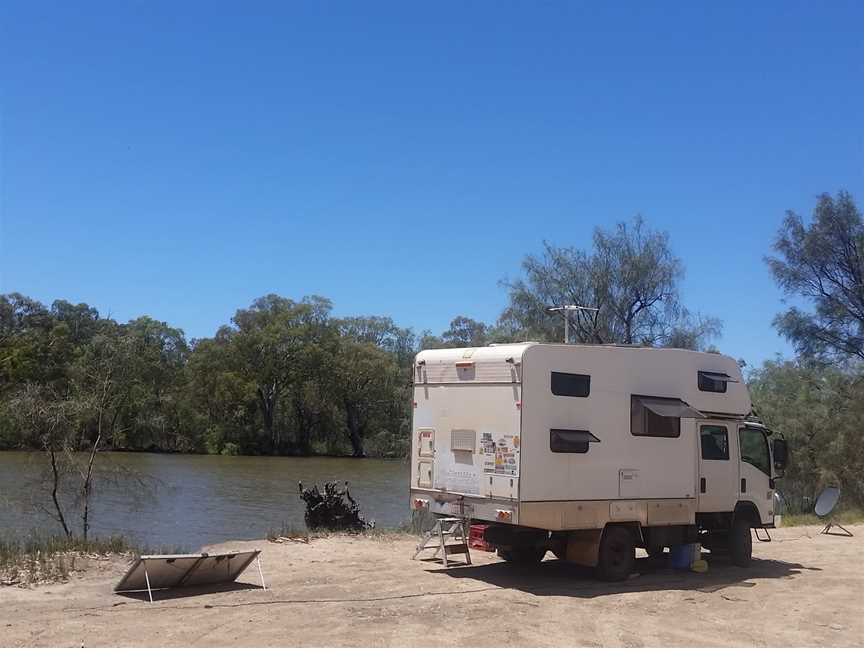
<point x="448" y="528"/>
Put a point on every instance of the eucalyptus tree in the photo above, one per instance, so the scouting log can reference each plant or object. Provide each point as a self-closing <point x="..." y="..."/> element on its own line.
<point x="819" y="408"/>
<point x="628" y="284"/>
<point x="823" y="264"/>
<point x="366" y="382"/>
<point x="267" y="341"/>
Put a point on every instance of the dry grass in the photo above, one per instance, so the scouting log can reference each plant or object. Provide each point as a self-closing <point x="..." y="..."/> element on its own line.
<point x="51" y="558"/>
<point x="40" y="558"/>
<point x="848" y="516"/>
<point x="291" y="533"/>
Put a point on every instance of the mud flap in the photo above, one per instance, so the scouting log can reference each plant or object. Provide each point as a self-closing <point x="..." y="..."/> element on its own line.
<point x="583" y="547"/>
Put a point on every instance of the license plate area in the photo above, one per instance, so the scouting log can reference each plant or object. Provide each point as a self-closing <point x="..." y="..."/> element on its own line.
<point x="461" y="509"/>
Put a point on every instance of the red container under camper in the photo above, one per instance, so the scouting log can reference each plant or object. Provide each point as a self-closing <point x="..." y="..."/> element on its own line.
<point x="477" y="537"/>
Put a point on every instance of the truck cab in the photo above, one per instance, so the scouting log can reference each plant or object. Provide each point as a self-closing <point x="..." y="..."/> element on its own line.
<point x="739" y="462"/>
<point x="736" y="468"/>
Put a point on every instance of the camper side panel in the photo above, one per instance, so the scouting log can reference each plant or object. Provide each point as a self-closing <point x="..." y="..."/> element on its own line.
<point x="617" y="465"/>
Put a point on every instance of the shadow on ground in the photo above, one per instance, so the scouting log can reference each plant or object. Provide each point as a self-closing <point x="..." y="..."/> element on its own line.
<point x="560" y="578"/>
<point x="187" y="592"/>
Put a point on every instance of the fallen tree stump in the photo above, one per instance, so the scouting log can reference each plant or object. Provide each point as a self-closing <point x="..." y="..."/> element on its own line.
<point x="332" y="510"/>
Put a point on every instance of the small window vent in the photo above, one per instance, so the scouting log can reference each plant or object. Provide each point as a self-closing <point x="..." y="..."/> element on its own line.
<point x="463" y="440"/>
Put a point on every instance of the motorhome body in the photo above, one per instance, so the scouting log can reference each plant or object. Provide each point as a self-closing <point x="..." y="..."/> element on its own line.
<point x="556" y="444"/>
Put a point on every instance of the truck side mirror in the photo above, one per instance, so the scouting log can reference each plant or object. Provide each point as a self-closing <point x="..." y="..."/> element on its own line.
<point x="781" y="454"/>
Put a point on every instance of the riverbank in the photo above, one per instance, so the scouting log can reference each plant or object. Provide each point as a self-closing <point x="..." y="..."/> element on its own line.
<point x="193" y="500"/>
<point x="803" y="589"/>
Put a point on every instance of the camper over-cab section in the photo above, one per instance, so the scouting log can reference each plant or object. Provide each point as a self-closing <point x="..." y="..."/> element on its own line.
<point x="575" y="437"/>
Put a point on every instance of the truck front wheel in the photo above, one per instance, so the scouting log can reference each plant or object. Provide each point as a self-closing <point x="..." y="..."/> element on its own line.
<point x="740" y="543"/>
<point x="617" y="555"/>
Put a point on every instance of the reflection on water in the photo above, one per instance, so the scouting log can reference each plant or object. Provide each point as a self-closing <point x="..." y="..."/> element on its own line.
<point x="192" y="500"/>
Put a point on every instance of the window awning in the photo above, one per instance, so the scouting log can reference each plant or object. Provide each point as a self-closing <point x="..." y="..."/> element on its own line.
<point x="670" y="407"/>
<point x="581" y="436"/>
<point x="717" y="375"/>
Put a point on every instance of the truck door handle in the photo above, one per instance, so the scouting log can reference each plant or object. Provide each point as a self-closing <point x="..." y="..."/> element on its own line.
<point x="702" y="485"/>
<point x="743" y="485"/>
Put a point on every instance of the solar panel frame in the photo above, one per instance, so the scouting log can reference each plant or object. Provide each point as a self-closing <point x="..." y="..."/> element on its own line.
<point x="166" y="571"/>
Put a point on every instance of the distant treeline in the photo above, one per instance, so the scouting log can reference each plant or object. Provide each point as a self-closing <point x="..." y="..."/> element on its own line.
<point x="284" y="377"/>
<point x="287" y="377"/>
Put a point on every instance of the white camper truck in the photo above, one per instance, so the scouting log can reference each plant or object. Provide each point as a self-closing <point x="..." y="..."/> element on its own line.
<point x="592" y="451"/>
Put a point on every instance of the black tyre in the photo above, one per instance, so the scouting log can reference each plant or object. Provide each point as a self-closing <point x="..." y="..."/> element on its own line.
<point x="617" y="554"/>
<point x="522" y="555"/>
<point x="740" y="543"/>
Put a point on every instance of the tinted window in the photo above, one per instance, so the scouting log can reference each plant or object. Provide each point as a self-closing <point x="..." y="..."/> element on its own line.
<point x="710" y="384"/>
<point x="568" y="384"/>
<point x="570" y="440"/>
<point x="715" y="442"/>
<point x="644" y="422"/>
<point x="754" y="449"/>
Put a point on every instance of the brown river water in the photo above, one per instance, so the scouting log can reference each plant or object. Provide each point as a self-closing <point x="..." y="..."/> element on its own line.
<point x="191" y="500"/>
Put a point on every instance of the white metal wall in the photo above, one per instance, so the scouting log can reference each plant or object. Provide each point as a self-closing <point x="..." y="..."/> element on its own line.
<point x="654" y="467"/>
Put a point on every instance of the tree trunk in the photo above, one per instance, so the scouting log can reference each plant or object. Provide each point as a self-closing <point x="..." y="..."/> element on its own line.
<point x="88" y="481"/>
<point x="55" y="485"/>
<point x="268" y="411"/>
<point x="355" y="430"/>
<point x="304" y="427"/>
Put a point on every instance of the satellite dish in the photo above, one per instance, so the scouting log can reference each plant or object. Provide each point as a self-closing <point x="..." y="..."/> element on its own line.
<point x="825" y="503"/>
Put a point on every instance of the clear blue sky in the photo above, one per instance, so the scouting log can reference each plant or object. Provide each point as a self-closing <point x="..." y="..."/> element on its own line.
<point x="180" y="159"/>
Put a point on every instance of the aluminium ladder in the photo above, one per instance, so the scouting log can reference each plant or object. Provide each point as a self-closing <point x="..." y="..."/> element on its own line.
<point x="446" y="528"/>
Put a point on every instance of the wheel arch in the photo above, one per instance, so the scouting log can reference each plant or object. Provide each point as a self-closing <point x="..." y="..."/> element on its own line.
<point x="634" y="528"/>
<point x="747" y="510"/>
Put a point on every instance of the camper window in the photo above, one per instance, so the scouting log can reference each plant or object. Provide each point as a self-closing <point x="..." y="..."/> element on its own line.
<point x="715" y="442"/>
<point x="568" y="384"/>
<point x="571" y="440"/>
<point x="649" y="417"/>
<point x="710" y="381"/>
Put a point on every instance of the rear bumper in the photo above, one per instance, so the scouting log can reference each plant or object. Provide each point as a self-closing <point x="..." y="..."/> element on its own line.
<point x="571" y="515"/>
<point x="504" y="511"/>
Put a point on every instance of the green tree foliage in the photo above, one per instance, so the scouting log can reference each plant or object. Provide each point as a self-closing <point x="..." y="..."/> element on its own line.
<point x="823" y="263"/>
<point x="631" y="278"/>
<point x="819" y="409"/>
<point x="223" y="403"/>
<point x="284" y="377"/>
<point x="463" y="332"/>
<point x="817" y="400"/>
<point x="270" y="344"/>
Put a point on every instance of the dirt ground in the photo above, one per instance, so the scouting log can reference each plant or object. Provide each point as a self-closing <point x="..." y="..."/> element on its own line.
<point x="803" y="589"/>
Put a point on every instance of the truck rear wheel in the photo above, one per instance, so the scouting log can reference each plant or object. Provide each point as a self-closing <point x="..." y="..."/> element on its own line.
<point x="740" y="543"/>
<point x="617" y="555"/>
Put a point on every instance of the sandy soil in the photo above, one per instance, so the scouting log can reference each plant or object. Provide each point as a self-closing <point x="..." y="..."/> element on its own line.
<point x="804" y="589"/>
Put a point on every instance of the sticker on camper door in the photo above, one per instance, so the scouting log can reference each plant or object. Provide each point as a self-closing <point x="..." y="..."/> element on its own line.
<point x="501" y="454"/>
